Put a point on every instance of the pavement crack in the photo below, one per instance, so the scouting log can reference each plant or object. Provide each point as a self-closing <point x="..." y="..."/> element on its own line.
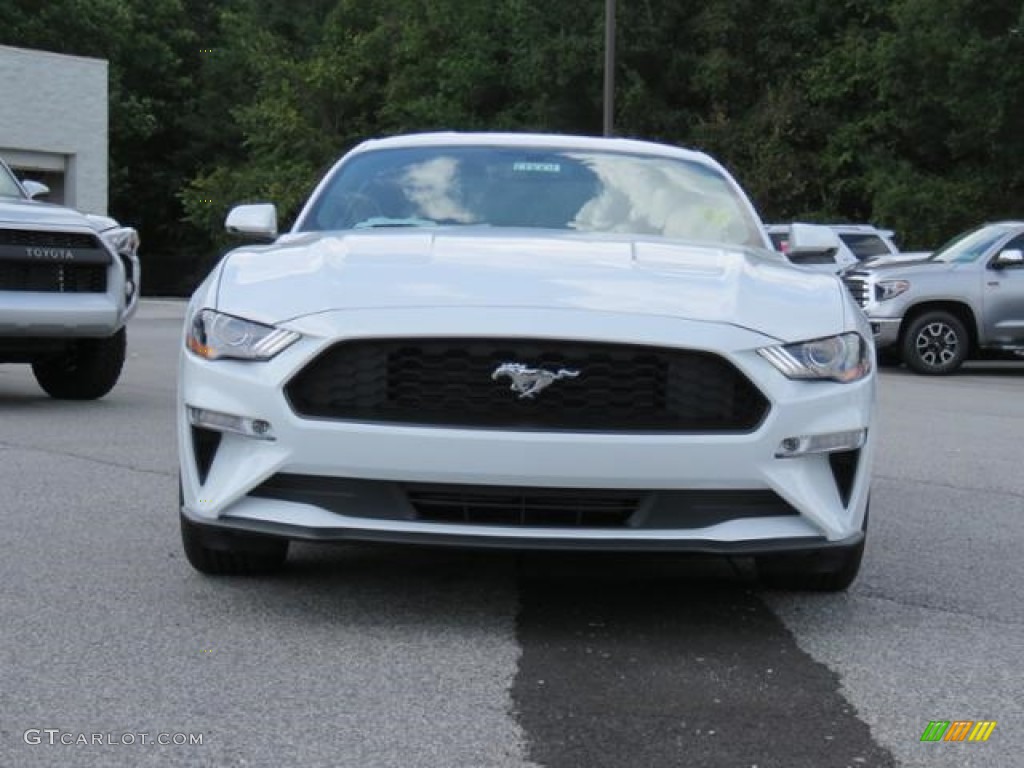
<point x="951" y="486"/>
<point x="91" y="459"/>
<point x="924" y="605"/>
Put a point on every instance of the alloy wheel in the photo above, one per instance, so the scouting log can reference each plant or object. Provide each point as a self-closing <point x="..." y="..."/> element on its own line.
<point x="937" y="343"/>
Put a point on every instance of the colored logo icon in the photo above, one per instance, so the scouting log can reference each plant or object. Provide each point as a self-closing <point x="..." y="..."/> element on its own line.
<point x="958" y="730"/>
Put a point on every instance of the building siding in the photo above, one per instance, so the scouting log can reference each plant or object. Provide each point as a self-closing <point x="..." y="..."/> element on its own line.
<point x="54" y="113"/>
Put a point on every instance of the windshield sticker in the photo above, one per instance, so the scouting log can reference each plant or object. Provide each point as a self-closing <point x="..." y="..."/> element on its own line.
<point x="522" y="165"/>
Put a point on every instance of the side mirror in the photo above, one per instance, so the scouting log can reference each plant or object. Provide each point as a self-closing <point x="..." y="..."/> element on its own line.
<point x="812" y="236"/>
<point x="1011" y="257"/>
<point x="813" y="244"/>
<point x="257" y="221"/>
<point x="35" y="189"/>
<point x="806" y="256"/>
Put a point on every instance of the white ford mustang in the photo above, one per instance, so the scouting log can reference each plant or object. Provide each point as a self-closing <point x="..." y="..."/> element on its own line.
<point x="530" y="342"/>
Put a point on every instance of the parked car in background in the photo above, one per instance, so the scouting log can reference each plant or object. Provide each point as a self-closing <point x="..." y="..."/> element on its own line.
<point x="850" y="244"/>
<point x="529" y="342"/>
<point x="965" y="300"/>
<point x="69" y="282"/>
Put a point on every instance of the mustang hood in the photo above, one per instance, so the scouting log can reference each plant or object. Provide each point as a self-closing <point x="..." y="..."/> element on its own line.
<point x="310" y="273"/>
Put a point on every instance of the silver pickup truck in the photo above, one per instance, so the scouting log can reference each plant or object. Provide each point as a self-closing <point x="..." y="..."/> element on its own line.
<point x="965" y="300"/>
<point x="68" y="284"/>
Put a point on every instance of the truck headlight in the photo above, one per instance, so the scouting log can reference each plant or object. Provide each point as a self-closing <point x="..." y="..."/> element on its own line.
<point x="843" y="358"/>
<point x="216" y="336"/>
<point x="122" y="239"/>
<point x="890" y="289"/>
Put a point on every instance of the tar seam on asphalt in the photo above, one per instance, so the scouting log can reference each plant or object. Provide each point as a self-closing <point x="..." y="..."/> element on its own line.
<point x="654" y="662"/>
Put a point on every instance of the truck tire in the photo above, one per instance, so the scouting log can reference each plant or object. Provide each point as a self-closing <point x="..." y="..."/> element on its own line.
<point x="935" y="343"/>
<point x="88" y="370"/>
<point x="810" y="573"/>
<point x="833" y="571"/>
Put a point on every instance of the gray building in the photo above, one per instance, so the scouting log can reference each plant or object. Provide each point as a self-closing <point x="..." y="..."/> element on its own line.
<point x="53" y="124"/>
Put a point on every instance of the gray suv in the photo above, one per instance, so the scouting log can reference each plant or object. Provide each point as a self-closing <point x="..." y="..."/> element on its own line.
<point x="68" y="284"/>
<point x="965" y="300"/>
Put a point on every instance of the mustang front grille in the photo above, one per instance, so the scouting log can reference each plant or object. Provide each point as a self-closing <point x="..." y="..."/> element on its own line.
<point x="52" y="278"/>
<point x="594" y="387"/>
<point x="523" y="506"/>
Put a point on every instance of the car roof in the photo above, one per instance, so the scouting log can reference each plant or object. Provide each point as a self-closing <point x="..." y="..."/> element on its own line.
<point x="1005" y="223"/>
<point x="550" y="140"/>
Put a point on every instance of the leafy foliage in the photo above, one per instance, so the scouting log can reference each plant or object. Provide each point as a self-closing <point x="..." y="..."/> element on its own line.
<point x="905" y="113"/>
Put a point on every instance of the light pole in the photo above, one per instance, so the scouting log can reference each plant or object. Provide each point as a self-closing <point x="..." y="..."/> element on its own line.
<point x="609" y="65"/>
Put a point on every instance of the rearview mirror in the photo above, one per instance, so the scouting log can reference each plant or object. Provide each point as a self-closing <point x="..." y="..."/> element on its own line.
<point x="257" y="221"/>
<point x="35" y="189"/>
<point x="1011" y="257"/>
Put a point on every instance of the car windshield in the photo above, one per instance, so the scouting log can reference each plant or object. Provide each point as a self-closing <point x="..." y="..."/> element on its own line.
<point x="563" y="189"/>
<point x="8" y="186"/>
<point x="970" y="245"/>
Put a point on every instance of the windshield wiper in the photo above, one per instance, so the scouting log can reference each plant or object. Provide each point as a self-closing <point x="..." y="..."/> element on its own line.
<point x="384" y="221"/>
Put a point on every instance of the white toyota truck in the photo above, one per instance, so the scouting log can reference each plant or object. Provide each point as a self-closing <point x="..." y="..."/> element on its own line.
<point x="69" y="282"/>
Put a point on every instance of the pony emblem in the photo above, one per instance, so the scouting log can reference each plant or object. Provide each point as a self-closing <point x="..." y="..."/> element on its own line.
<point x="529" y="381"/>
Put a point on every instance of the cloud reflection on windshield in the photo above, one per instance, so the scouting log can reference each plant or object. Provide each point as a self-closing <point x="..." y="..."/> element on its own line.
<point x="433" y="186"/>
<point x="660" y="198"/>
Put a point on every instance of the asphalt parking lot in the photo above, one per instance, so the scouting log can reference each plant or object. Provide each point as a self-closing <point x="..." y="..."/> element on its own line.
<point x="383" y="656"/>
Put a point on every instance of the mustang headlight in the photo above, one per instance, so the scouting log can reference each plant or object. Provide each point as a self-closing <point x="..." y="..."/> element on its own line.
<point x="890" y="289"/>
<point x="217" y="336"/>
<point x="843" y="358"/>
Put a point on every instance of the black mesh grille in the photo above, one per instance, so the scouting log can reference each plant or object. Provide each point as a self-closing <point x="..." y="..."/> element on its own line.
<point x="530" y="507"/>
<point x="450" y="382"/>
<point x="46" y="239"/>
<point x="52" y="278"/>
<point x="637" y="509"/>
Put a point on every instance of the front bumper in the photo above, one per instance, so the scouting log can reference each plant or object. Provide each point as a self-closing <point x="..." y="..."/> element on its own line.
<point x="37" y="314"/>
<point x="818" y="512"/>
<point x="886" y="330"/>
<point x="450" y="536"/>
<point x="60" y="315"/>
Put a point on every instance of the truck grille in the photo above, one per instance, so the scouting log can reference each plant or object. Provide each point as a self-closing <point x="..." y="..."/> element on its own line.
<point x="41" y="238"/>
<point x="858" y="288"/>
<point x="449" y="382"/>
<point x="52" y="278"/>
<point x="69" y="262"/>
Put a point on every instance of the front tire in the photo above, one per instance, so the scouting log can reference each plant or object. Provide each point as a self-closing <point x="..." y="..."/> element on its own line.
<point x="889" y="357"/>
<point x="935" y="343"/>
<point x="87" y="370"/>
<point x="226" y="553"/>
<point x="831" y="571"/>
